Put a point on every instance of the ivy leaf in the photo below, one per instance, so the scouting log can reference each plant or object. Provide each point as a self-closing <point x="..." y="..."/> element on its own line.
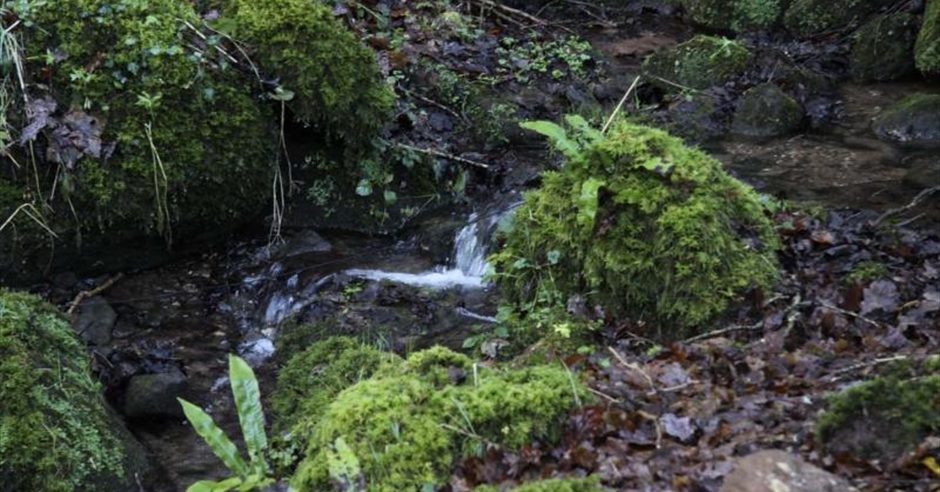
<point x="390" y="197"/>
<point x="587" y="202"/>
<point x="364" y="188"/>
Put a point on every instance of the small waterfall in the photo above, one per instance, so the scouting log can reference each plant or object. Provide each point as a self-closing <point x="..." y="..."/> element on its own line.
<point x="470" y="250"/>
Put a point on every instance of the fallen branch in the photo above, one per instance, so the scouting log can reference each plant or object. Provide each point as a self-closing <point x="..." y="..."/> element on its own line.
<point x="863" y="365"/>
<point x="85" y="294"/>
<point x="913" y="203"/>
<point x="849" y="313"/>
<point x="512" y="11"/>
<point x="636" y="368"/>
<point x="438" y="153"/>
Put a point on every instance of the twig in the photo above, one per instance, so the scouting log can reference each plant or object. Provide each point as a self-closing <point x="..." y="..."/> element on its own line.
<point x="636" y="368"/>
<point x="620" y="105"/>
<point x="603" y="395"/>
<point x="676" y="84"/>
<point x="849" y="313"/>
<point x="659" y="429"/>
<point x="854" y="367"/>
<point x="913" y="203"/>
<point x="445" y="155"/>
<point x="435" y="103"/>
<point x="516" y="12"/>
<point x="724" y="331"/>
<point x="93" y="292"/>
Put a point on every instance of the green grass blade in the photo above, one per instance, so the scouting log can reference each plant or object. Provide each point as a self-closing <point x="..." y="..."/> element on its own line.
<point x="250" y="413"/>
<point x="221" y="445"/>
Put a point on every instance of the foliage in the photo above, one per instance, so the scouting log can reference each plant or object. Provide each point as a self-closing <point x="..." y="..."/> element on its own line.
<point x="810" y="17"/>
<point x="668" y="237"/>
<point x="528" y="58"/>
<point x="55" y="432"/>
<point x="554" y="485"/>
<point x="250" y="475"/>
<point x="745" y="15"/>
<point x="407" y="426"/>
<point x="698" y="63"/>
<point x="927" y="46"/>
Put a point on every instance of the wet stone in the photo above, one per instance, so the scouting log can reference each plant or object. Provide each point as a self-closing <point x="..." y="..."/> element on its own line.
<point x="767" y="111"/>
<point x="95" y="321"/>
<point x="913" y="122"/>
<point x="778" y="471"/>
<point x="154" y="395"/>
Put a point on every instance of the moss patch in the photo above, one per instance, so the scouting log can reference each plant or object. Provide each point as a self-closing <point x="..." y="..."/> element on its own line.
<point x="809" y="17"/>
<point x="407" y="427"/>
<point x="56" y="434"/>
<point x="927" y="47"/>
<point x="699" y="63"/>
<point x="883" y="48"/>
<point x="554" y="485"/>
<point x="642" y="225"/>
<point x="745" y="15"/>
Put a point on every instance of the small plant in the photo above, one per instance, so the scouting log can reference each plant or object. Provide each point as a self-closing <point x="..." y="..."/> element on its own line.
<point x="250" y="475"/>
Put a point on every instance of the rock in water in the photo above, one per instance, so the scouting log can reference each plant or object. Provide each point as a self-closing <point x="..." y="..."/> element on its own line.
<point x="913" y="122"/>
<point x="767" y="111"/>
<point x="154" y="395"/>
<point x="778" y="471"/>
<point x="95" y="321"/>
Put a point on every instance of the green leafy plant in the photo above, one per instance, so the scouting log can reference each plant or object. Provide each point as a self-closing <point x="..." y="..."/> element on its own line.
<point x="250" y="475"/>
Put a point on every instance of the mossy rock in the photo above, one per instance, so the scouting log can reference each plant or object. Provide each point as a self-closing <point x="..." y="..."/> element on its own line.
<point x="641" y="225"/>
<point x="927" y="46"/>
<point x="310" y="381"/>
<point x="736" y="15"/>
<point x="56" y="432"/>
<point x="883" y="48"/>
<point x="406" y="430"/>
<point x="914" y="122"/>
<point x="881" y="419"/>
<point x="767" y="111"/>
<point x="698" y="63"/>
<point x="553" y="485"/>
<point x="810" y="17"/>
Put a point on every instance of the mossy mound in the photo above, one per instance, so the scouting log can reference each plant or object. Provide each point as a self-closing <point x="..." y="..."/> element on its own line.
<point x="736" y="15"/>
<point x="809" y="17"/>
<point x="767" y="111"/>
<point x="56" y="433"/>
<point x="883" y="418"/>
<point x="335" y="80"/>
<point x="311" y="379"/>
<point x="699" y="63"/>
<point x="553" y="485"/>
<point x="407" y="427"/>
<point x="641" y="225"/>
<point x="914" y="122"/>
<point x="927" y="47"/>
<point x="883" y="48"/>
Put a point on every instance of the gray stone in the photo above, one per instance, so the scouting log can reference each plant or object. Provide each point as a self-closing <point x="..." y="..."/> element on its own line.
<point x="778" y="471"/>
<point x="95" y="321"/>
<point x="767" y="111"/>
<point x="913" y="122"/>
<point x="154" y="395"/>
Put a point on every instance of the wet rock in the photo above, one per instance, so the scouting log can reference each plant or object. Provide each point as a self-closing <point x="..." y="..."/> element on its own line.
<point x="304" y="242"/>
<point x="95" y="321"/>
<point x="695" y="118"/>
<point x="766" y="111"/>
<point x="924" y="172"/>
<point x="778" y="471"/>
<point x="914" y="122"/>
<point x="927" y="47"/>
<point x="882" y="49"/>
<point x="806" y="18"/>
<point x="698" y="63"/>
<point x="154" y="395"/>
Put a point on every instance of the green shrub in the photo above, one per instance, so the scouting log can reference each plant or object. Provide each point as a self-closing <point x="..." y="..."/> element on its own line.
<point x="927" y="47"/>
<point x="406" y="429"/>
<point x="56" y="434"/>
<point x="639" y="224"/>
<point x="699" y="63"/>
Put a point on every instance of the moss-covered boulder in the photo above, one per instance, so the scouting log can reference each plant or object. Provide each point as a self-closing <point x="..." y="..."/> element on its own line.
<point x="927" y="46"/>
<point x="767" y="111"/>
<point x="915" y="122"/>
<point x="698" y="63"/>
<point x="810" y="17"/>
<point x="736" y="15"/>
<point x="310" y="380"/>
<point x="56" y="432"/>
<point x="553" y="485"/>
<point x="641" y="225"/>
<point x="406" y="427"/>
<point x="883" y="48"/>
<point x="881" y="419"/>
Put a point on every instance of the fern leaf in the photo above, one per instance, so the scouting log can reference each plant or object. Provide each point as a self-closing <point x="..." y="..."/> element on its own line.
<point x="587" y="202"/>
<point x="556" y="134"/>
<point x="221" y="445"/>
<point x="250" y="414"/>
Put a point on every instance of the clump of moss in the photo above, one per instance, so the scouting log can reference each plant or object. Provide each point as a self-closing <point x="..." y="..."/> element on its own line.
<point x="553" y="485"/>
<point x="882" y="48"/>
<point x="882" y="418"/>
<point x="927" y="47"/>
<point x="699" y="63"/>
<point x="407" y="429"/>
<point x="866" y="271"/>
<point x="642" y="226"/>
<point x="744" y="15"/>
<point x="56" y="434"/>
<point x="335" y="80"/>
<point x="810" y="17"/>
<point x="311" y="379"/>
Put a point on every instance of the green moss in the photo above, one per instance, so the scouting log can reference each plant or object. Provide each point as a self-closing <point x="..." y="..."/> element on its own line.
<point x="643" y="226"/>
<point x="335" y="80"/>
<point x="882" y="418"/>
<point x="311" y="379"/>
<point x="810" y="17"/>
<point x="927" y="47"/>
<point x="554" y="485"/>
<point x="55" y="432"/>
<point x="699" y="63"/>
<point x="407" y="431"/>
<point x="866" y="272"/>
<point x="745" y="15"/>
<point x="883" y="48"/>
